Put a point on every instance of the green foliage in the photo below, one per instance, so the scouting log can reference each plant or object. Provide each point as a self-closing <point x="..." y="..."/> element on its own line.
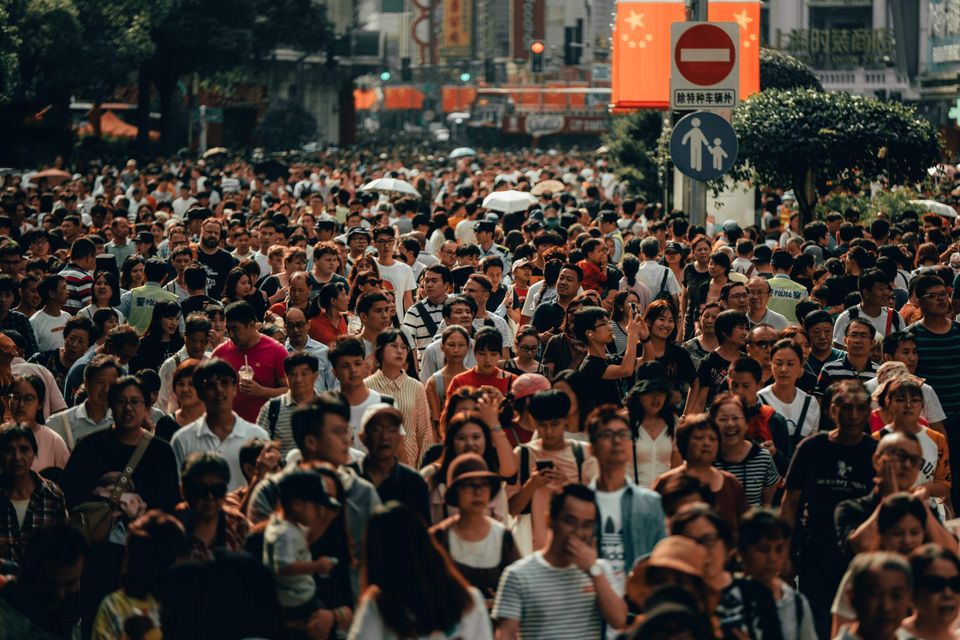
<point x="893" y="202"/>
<point x="806" y="138"/>
<point x="50" y="39"/>
<point x="633" y="147"/>
<point x="285" y="126"/>
<point x="298" y="24"/>
<point x="9" y="59"/>
<point x="779" y="70"/>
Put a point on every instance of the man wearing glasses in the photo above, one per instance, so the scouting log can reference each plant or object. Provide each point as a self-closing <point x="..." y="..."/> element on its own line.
<point x="938" y="355"/>
<point x="397" y="273"/>
<point x="759" y="291"/>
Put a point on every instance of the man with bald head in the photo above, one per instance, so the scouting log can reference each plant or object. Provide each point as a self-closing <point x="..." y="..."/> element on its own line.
<point x="299" y="341"/>
<point x="757" y="312"/>
<point x="298" y="294"/>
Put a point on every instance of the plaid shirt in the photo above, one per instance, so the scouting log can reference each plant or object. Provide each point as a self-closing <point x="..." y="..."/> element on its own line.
<point x="16" y="321"/>
<point x="47" y="507"/>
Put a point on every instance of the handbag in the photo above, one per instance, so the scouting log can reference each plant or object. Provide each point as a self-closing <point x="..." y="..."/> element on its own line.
<point x="97" y="518"/>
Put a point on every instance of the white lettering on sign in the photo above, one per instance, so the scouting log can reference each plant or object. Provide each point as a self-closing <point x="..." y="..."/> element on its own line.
<point x="704" y="55"/>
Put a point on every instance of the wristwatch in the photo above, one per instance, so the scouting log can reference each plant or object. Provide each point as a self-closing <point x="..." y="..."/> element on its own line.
<point x="595" y="570"/>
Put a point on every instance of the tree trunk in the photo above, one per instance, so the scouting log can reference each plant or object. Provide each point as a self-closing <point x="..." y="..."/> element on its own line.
<point x="96" y="114"/>
<point x="804" y="189"/>
<point x="166" y="85"/>
<point x="143" y="111"/>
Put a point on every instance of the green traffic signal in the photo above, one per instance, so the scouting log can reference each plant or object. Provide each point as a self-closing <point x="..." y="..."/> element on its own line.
<point x="385" y="75"/>
<point x="465" y="77"/>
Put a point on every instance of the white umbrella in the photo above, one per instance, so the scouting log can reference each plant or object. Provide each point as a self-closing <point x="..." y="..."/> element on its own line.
<point x="939" y="208"/>
<point x="508" y="201"/>
<point x="461" y="152"/>
<point x="391" y="185"/>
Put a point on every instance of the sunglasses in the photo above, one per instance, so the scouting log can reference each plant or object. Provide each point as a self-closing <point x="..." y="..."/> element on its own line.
<point x="763" y="344"/>
<point x="936" y="584"/>
<point x="203" y="490"/>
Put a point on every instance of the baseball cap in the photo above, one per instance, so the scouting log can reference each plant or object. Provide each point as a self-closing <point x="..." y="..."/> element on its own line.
<point x="357" y="231"/>
<point x="485" y="226"/>
<point x="528" y="384"/>
<point x="762" y="254"/>
<point x="378" y="409"/>
<point x="145" y="236"/>
<point x="673" y="247"/>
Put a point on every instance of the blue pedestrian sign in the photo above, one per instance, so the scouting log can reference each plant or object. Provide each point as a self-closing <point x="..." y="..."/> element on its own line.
<point x="703" y="146"/>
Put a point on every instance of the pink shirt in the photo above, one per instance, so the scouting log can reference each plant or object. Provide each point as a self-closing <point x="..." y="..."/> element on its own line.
<point x="266" y="357"/>
<point x="51" y="449"/>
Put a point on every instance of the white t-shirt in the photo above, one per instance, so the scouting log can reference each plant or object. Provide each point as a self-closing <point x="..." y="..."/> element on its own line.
<point x="932" y="409"/>
<point x="474" y="624"/>
<point x="480" y="554"/>
<point x="879" y="323"/>
<point x="20" y="507"/>
<point x="356" y="413"/>
<point x="791" y="412"/>
<point x="611" y="539"/>
<point x="651" y="274"/>
<point x="285" y="542"/>
<point x="401" y="277"/>
<point x="464" y="232"/>
<point x="48" y="329"/>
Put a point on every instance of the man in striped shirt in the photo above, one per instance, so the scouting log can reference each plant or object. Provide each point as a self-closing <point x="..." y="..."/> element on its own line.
<point x="856" y="364"/>
<point x="563" y="590"/>
<point x="424" y="318"/>
<point x="938" y="352"/>
<point x="79" y="275"/>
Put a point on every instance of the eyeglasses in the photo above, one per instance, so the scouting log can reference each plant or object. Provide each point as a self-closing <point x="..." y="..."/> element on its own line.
<point x="739" y="296"/>
<point x="383" y="241"/>
<point x="936" y="584"/>
<point x="903" y="457"/>
<point x="707" y="540"/>
<point x="763" y="344"/>
<point x="757" y="294"/>
<point x="609" y="434"/>
<point x="938" y="295"/>
<point x="203" y="490"/>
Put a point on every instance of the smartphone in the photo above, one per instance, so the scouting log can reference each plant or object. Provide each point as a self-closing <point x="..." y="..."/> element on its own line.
<point x="633" y="308"/>
<point x="543" y="465"/>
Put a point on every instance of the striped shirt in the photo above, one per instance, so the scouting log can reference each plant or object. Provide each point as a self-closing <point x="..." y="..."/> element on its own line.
<point x="410" y="397"/>
<point x="550" y="602"/>
<point x="282" y="430"/>
<point x="416" y="328"/>
<point x="755" y="472"/>
<point x="938" y="355"/>
<point x="843" y="369"/>
<point x="79" y="287"/>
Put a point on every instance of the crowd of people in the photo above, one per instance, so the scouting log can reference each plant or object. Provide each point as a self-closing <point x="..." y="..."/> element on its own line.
<point x="239" y="407"/>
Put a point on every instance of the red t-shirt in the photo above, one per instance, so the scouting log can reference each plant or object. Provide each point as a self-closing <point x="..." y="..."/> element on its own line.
<point x="500" y="379"/>
<point x="322" y="330"/>
<point x="266" y="358"/>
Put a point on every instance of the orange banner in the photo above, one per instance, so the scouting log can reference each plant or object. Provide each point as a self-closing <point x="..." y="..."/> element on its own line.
<point x="641" y="49"/>
<point x="457" y="98"/>
<point x="457" y="29"/>
<point x="399" y="98"/>
<point x="364" y="99"/>
<point x="747" y="15"/>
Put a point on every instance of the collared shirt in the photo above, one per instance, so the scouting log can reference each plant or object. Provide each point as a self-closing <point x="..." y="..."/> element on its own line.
<point x="325" y="378"/>
<point x="46" y="508"/>
<point x="843" y="369"/>
<point x="410" y="398"/>
<point x="281" y="429"/>
<point x="197" y="436"/>
<point x="416" y="328"/>
<point x="404" y="485"/>
<point x="120" y="251"/>
<point x="74" y="424"/>
<point x="16" y="321"/>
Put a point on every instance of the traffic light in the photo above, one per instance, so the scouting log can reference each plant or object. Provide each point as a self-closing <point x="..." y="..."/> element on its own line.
<point x="465" y="72"/>
<point x="385" y="75"/>
<point x="536" y="56"/>
<point x="489" y="72"/>
<point x="406" y="74"/>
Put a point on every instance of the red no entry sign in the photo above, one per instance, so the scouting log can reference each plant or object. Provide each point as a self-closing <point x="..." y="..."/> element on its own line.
<point x="705" y="55"/>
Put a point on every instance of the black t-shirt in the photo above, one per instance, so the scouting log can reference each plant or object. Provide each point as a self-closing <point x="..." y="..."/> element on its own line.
<point x="713" y="373"/>
<point x="827" y="473"/>
<point x="195" y="303"/>
<point x="678" y="364"/>
<point x="548" y="316"/>
<point x="559" y="354"/>
<point x="598" y="390"/>
<point x="218" y="265"/>
<point x="692" y="281"/>
<point x="100" y="457"/>
<point x="850" y="514"/>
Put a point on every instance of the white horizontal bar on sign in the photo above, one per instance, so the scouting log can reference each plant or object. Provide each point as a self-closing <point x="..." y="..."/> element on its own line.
<point x="704" y="55"/>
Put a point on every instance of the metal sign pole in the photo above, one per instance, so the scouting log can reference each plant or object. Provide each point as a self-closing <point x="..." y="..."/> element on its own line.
<point x="694" y="191"/>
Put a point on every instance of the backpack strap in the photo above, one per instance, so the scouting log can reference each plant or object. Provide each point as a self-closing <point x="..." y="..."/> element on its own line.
<point x="273" y="415"/>
<point x="524" y="473"/>
<point x="123" y="482"/>
<point x="68" y="431"/>
<point x="803" y="416"/>
<point x="387" y="398"/>
<point x="428" y="322"/>
<point x="663" y="282"/>
<point x="578" y="457"/>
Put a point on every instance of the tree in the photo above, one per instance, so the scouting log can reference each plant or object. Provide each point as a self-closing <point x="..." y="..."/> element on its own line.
<point x="9" y="60"/>
<point x="632" y="144"/>
<point x="803" y="139"/>
<point x="779" y="70"/>
<point x="286" y="125"/>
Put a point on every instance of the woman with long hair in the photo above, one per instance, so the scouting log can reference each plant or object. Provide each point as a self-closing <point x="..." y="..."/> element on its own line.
<point x="240" y="286"/>
<point x="652" y="424"/>
<point x="470" y="487"/>
<point x="411" y="588"/>
<point x="26" y="408"/>
<point x="698" y="442"/>
<point x="719" y="269"/>
<point x="327" y="313"/>
<point x="927" y="257"/>
<point x="364" y="281"/>
<point x="574" y="385"/>
<point x="662" y="347"/>
<point x="695" y="274"/>
<point x="189" y="405"/>
<point x="454" y="342"/>
<point x="105" y="320"/>
<point x="623" y="305"/>
<point x="105" y="294"/>
<point x="132" y="273"/>
<point x="527" y="344"/>
<point x="705" y="339"/>
<point x="162" y="338"/>
<point x="564" y="351"/>
<point x="936" y="593"/>
<point x="469" y="432"/>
